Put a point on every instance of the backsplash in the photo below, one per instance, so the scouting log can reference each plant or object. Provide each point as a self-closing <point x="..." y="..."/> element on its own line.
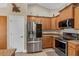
<point x="70" y="30"/>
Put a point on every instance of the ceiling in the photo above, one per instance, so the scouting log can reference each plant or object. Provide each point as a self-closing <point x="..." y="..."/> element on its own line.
<point x="53" y="6"/>
<point x="3" y="5"/>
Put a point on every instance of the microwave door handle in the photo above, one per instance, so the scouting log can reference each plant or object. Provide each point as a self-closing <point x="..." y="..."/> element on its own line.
<point x="62" y="41"/>
<point x="67" y="22"/>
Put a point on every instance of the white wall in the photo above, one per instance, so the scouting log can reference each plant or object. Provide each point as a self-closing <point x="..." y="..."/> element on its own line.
<point x="54" y="13"/>
<point x="3" y="12"/>
<point x="37" y="10"/>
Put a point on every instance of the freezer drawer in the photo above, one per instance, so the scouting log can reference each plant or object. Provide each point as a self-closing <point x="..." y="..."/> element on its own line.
<point x="34" y="47"/>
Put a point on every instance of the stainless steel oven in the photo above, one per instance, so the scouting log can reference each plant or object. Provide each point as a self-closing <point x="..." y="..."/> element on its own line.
<point x="61" y="43"/>
<point x="61" y="47"/>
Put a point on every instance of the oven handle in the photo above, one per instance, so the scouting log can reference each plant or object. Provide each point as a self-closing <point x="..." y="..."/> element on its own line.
<point x="62" y="41"/>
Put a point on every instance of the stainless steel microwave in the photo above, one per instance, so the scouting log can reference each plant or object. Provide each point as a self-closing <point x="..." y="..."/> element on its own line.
<point x="68" y="23"/>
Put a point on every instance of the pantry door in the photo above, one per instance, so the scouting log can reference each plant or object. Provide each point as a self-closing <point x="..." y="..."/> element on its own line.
<point x="3" y="32"/>
<point x="16" y="33"/>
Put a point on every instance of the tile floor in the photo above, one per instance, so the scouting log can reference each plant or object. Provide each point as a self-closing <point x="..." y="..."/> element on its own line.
<point x="45" y="52"/>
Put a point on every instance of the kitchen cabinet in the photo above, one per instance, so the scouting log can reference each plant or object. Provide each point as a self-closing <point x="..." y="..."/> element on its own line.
<point x="57" y="22"/>
<point x="53" y="41"/>
<point x="32" y="19"/>
<point x="73" y="48"/>
<point x="3" y="32"/>
<point x="76" y="18"/>
<point x="70" y="11"/>
<point x="47" y="41"/>
<point x="45" y="21"/>
<point x="53" y="23"/>
<point x="67" y="12"/>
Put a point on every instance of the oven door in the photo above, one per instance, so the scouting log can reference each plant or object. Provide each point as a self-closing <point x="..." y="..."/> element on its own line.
<point x="61" y="47"/>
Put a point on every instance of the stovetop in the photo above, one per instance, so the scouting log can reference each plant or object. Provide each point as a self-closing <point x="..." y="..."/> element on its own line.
<point x="64" y="39"/>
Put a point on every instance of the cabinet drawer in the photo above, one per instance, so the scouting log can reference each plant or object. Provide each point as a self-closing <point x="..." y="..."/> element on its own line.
<point x="71" y="45"/>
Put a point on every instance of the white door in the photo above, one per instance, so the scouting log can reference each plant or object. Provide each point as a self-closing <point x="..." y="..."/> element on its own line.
<point x="16" y="33"/>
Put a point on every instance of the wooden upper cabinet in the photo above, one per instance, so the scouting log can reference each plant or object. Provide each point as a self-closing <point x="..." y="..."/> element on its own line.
<point x="45" y="21"/>
<point x="67" y="12"/>
<point x="70" y="11"/>
<point x="32" y="18"/>
<point x="76" y="21"/>
<point x="57" y="22"/>
<point x="53" y="23"/>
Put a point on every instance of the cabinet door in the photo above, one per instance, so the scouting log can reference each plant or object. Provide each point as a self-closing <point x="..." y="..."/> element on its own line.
<point x="67" y="12"/>
<point x="47" y="42"/>
<point x="38" y="19"/>
<point x="3" y="32"/>
<point x="71" y="51"/>
<point x="53" y="42"/>
<point x="53" y="23"/>
<point x="46" y="23"/>
<point x="31" y="18"/>
<point x="57" y="22"/>
<point x="76" y="22"/>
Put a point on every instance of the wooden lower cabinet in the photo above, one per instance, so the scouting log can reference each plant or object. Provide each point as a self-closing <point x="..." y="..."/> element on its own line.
<point x="73" y="49"/>
<point x="47" y="42"/>
<point x="54" y="42"/>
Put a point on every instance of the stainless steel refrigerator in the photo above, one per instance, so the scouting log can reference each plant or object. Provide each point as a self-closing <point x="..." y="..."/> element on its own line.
<point x="34" y="38"/>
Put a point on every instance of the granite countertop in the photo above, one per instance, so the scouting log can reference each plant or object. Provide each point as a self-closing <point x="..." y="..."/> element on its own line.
<point x="7" y="52"/>
<point x="74" y="41"/>
<point x="51" y="33"/>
